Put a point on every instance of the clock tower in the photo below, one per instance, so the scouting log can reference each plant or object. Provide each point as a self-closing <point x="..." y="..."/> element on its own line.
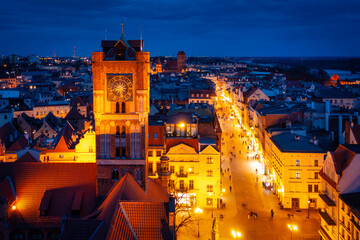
<point x="121" y="107"/>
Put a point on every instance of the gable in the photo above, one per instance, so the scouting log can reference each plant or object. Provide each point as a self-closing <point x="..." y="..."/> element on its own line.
<point x="210" y="150"/>
<point x="329" y="167"/>
<point x="181" y="149"/>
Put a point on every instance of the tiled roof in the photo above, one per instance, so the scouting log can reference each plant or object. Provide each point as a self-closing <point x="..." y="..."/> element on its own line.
<point x="27" y="157"/>
<point x="32" y="180"/>
<point x="77" y="100"/>
<point x="51" y="119"/>
<point x="63" y="140"/>
<point x="19" y="144"/>
<point x="140" y="220"/>
<point x="333" y="93"/>
<point x="5" y="131"/>
<point x="74" y="114"/>
<point x="356" y="132"/>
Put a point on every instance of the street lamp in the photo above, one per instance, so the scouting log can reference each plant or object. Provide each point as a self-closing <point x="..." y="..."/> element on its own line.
<point x="198" y="211"/>
<point x="292" y="228"/>
<point x="308" y="209"/>
<point x="236" y="234"/>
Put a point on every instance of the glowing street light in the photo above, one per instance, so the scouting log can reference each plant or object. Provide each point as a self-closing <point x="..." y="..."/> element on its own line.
<point x="182" y="125"/>
<point x="236" y="234"/>
<point x="198" y="211"/>
<point x="292" y="228"/>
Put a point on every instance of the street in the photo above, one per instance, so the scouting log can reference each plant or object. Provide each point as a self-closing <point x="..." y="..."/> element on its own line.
<point x="244" y="175"/>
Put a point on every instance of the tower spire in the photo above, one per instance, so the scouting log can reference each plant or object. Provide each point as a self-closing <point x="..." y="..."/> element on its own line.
<point x="105" y="33"/>
<point x="141" y="38"/>
<point x="122" y="27"/>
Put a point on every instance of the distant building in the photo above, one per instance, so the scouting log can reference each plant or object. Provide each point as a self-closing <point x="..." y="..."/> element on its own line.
<point x="177" y="65"/>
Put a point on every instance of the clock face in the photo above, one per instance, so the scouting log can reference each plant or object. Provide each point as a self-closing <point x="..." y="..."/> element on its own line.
<point x="119" y="87"/>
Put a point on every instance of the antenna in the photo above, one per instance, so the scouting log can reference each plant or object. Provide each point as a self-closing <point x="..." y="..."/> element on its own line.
<point x="141" y="45"/>
<point x="105" y="33"/>
<point x="54" y="54"/>
<point x="74" y="51"/>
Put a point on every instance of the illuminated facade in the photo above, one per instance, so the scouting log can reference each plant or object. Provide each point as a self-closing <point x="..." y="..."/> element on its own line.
<point x="121" y="107"/>
<point x="294" y="164"/>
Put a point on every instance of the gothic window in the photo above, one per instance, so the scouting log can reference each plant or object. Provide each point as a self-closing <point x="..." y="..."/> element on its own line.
<point x="115" y="174"/>
<point x="123" y="107"/>
<point x="117" y="107"/>
<point x="117" y="142"/>
<point x="17" y="235"/>
<point x="36" y="235"/>
<point x="138" y="175"/>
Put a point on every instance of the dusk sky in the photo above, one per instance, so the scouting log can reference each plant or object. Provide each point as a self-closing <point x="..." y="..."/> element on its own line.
<point x="198" y="27"/>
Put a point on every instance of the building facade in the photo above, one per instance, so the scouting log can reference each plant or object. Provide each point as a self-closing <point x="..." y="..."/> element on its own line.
<point x="121" y="107"/>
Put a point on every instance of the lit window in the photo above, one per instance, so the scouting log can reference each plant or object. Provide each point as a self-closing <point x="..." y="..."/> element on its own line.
<point x="297" y="175"/>
<point x="209" y="201"/>
<point x="209" y="173"/>
<point x="158" y="153"/>
<point x="209" y="188"/>
<point x="61" y="156"/>
<point x="209" y="160"/>
<point x="150" y="153"/>
<point x="297" y="162"/>
<point x="191" y="184"/>
<point x="172" y="169"/>
<point x="316" y="163"/>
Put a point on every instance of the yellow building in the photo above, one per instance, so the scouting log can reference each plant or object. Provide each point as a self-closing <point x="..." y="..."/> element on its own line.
<point x="294" y="164"/>
<point x="71" y="148"/>
<point x="340" y="194"/>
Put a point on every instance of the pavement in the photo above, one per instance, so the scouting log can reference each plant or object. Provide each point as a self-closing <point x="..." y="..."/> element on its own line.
<point x="248" y="195"/>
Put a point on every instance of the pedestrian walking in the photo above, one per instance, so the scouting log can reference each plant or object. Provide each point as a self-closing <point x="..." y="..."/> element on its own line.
<point x="272" y="213"/>
<point x="230" y="188"/>
<point x="230" y="176"/>
<point x="248" y="215"/>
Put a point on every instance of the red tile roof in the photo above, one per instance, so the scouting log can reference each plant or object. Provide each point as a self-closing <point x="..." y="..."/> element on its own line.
<point x="19" y="144"/>
<point x="34" y="180"/>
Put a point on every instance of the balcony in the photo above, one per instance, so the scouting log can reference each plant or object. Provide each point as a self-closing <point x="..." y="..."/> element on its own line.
<point x="327" y="218"/>
<point x="182" y="175"/>
<point x="327" y="200"/>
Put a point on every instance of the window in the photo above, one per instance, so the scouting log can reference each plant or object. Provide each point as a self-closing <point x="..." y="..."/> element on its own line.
<point x="61" y="156"/>
<point x="316" y="175"/>
<point x="191" y="184"/>
<point x="316" y="163"/>
<point x="150" y="153"/>
<point x="209" y="201"/>
<point x="209" y="160"/>
<point x="158" y="153"/>
<point x="297" y="162"/>
<point x="209" y="188"/>
<point x="209" y="173"/>
<point x="150" y="167"/>
<point x="309" y="188"/>
<point x="5" y="116"/>
<point x="172" y="169"/>
<point x="123" y="107"/>
<point x="316" y="188"/>
<point x="155" y="135"/>
<point x="297" y="175"/>
<point x="182" y="185"/>
<point x="115" y="174"/>
<point x="91" y="149"/>
<point x="181" y="171"/>
<point x="117" y="110"/>
<point x="172" y="184"/>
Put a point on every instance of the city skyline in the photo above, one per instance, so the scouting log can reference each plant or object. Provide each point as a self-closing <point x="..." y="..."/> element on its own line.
<point x="201" y="28"/>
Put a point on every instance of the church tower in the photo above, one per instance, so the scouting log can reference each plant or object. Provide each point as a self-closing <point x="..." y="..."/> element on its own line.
<point x="158" y="66"/>
<point x="121" y="105"/>
<point x="181" y="61"/>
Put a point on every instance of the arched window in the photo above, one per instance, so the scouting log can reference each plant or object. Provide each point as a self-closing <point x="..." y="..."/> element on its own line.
<point x="123" y="131"/>
<point x="123" y="107"/>
<point x="138" y="175"/>
<point x="54" y="235"/>
<point x="115" y="174"/>
<point x="117" y="142"/>
<point x="117" y="107"/>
